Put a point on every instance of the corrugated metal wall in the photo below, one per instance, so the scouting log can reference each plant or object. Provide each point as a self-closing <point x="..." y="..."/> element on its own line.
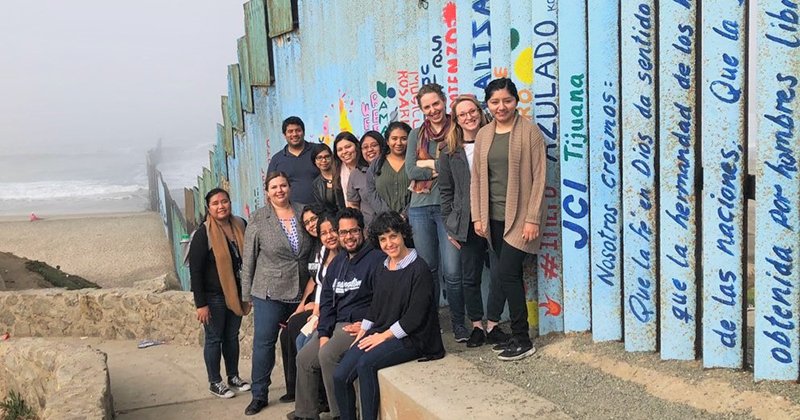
<point x="647" y="163"/>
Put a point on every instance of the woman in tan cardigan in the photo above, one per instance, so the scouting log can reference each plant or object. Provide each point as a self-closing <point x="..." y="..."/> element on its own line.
<point x="506" y="194"/>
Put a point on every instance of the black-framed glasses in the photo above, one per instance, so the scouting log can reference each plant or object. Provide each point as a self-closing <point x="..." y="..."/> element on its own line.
<point x="323" y="157"/>
<point x="353" y="231"/>
<point x="311" y="220"/>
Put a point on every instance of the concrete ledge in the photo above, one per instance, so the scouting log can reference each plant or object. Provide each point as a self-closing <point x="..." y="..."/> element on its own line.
<point x="428" y="391"/>
<point x="143" y="312"/>
<point x="57" y="380"/>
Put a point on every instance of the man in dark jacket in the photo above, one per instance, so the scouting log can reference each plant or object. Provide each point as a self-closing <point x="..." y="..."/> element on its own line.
<point x="345" y="299"/>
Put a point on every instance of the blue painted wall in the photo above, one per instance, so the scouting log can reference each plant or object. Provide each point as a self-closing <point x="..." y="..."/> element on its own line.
<point x="625" y="255"/>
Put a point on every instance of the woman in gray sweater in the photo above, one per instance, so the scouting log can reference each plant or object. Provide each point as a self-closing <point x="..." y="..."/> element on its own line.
<point x="274" y="273"/>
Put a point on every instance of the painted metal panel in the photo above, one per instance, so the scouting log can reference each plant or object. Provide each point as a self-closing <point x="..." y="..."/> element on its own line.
<point x="776" y="334"/>
<point x="280" y="18"/>
<point x="255" y="23"/>
<point x="234" y="98"/>
<point x="227" y="128"/>
<point x="604" y="170"/>
<point x="246" y="92"/>
<point x="724" y="169"/>
<point x="481" y="73"/>
<point x="499" y="19"/>
<point x="520" y="70"/>
<point x="638" y="163"/>
<point x="572" y="69"/>
<point x="546" y="111"/>
<point x="678" y="209"/>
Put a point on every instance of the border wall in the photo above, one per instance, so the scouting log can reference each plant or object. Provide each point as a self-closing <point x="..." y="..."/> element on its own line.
<point x="650" y="112"/>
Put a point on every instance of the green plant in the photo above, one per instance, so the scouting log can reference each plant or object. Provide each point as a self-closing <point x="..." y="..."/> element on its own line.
<point x="58" y="278"/>
<point x="15" y="408"/>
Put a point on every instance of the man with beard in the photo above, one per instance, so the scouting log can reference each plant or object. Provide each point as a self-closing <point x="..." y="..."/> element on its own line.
<point x="346" y="297"/>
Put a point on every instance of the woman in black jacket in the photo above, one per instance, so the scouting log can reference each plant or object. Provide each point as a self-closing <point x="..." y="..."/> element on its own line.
<point x="327" y="193"/>
<point x="214" y="265"/>
<point x="402" y="323"/>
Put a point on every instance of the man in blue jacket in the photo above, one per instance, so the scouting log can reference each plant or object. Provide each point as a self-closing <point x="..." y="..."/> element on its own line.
<point x="346" y="296"/>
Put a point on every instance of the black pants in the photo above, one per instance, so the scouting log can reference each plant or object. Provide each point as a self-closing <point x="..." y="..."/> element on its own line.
<point x="473" y="254"/>
<point x="289" y="348"/>
<point x="507" y="276"/>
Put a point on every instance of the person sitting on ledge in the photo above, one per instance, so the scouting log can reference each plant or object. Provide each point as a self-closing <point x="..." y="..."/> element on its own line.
<point x="402" y="323"/>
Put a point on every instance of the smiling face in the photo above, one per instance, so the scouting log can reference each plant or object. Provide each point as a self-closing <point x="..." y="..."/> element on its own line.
<point x="347" y="152"/>
<point x="393" y="245"/>
<point x="350" y="235"/>
<point x="502" y="106"/>
<point x="294" y="135"/>
<point x="433" y="107"/>
<point x="468" y="115"/>
<point x="323" y="160"/>
<point x="398" y="141"/>
<point x="278" y="191"/>
<point x="328" y="236"/>
<point x="310" y="222"/>
<point x="370" y="149"/>
<point x="219" y="206"/>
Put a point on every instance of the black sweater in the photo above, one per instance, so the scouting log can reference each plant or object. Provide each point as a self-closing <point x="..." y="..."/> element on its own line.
<point x="203" y="267"/>
<point x="406" y="296"/>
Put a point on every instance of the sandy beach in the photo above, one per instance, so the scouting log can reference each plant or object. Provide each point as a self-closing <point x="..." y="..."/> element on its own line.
<point x="112" y="250"/>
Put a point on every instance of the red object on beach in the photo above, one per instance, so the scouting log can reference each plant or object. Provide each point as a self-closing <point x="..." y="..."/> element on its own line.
<point x="34" y="217"/>
<point x="5" y="336"/>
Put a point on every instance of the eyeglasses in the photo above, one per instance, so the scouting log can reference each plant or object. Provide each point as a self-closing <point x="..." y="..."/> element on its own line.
<point x="310" y="220"/>
<point x="353" y="232"/>
<point x="323" y="157"/>
<point x="327" y="232"/>
<point x="471" y="113"/>
<point x="371" y="146"/>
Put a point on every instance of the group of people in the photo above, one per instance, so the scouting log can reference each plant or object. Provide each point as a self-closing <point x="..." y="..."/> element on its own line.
<point x="343" y="263"/>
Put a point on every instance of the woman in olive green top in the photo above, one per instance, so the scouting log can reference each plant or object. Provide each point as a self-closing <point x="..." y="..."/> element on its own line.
<point x="387" y="181"/>
<point x="506" y="194"/>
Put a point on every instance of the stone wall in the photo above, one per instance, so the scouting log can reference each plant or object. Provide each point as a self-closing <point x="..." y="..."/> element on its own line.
<point x="145" y="311"/>
<point x="57" y="380"/>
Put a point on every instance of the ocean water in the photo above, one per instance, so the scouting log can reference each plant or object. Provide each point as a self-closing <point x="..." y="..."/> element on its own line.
<point x="89" y="181"/>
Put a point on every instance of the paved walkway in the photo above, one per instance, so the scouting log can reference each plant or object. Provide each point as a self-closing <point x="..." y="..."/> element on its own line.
<point x="169" y="382"/>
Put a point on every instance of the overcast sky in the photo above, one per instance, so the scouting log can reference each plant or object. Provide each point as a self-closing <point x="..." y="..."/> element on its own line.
<point x="114" y="73"/>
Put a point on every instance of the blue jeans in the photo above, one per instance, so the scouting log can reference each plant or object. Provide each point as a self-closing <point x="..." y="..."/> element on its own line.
<point x="364" y="366"/>
<point x="267" y="316"/>
<point x="222" y="339"/>
<point x="431" y="243"/>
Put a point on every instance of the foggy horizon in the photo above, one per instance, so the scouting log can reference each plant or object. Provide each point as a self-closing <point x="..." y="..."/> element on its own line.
<point x="93" y="74"/>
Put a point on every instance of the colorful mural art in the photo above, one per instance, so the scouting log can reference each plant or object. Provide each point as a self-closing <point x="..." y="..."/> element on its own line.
<point x="644" y="227"/>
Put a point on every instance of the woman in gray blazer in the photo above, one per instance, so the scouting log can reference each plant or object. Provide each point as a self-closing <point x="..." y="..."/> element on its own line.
<point x="274" y="273"/>
<point x="455" y="165"/>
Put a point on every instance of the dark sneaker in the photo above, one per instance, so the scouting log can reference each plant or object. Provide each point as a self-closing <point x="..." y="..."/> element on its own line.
<point x="499" y="348"/>
<point x="221" y="390"/>
<point x="477" y="338"/>
<point x="516" y="350"/>
<point x="255" y="407"/>
<point x="286" y="398"/>
<point x="238" y="383"/>
<point x="497" y="336"/>
<point x="461" y="333"/>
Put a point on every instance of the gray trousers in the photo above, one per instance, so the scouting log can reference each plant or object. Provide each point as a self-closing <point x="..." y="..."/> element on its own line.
<point x="310" y="360"/>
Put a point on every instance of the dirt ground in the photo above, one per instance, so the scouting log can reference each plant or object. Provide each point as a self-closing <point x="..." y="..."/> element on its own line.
<point x="14" y="275"/>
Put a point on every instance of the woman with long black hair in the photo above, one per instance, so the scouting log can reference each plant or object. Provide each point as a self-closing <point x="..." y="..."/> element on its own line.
<point x="506" y="194"/>
<point x="214" y="264"/>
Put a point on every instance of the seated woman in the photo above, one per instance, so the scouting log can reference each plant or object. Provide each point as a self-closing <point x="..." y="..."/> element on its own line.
<point x="288" y="335"/>
<point x="402" y="323"/>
